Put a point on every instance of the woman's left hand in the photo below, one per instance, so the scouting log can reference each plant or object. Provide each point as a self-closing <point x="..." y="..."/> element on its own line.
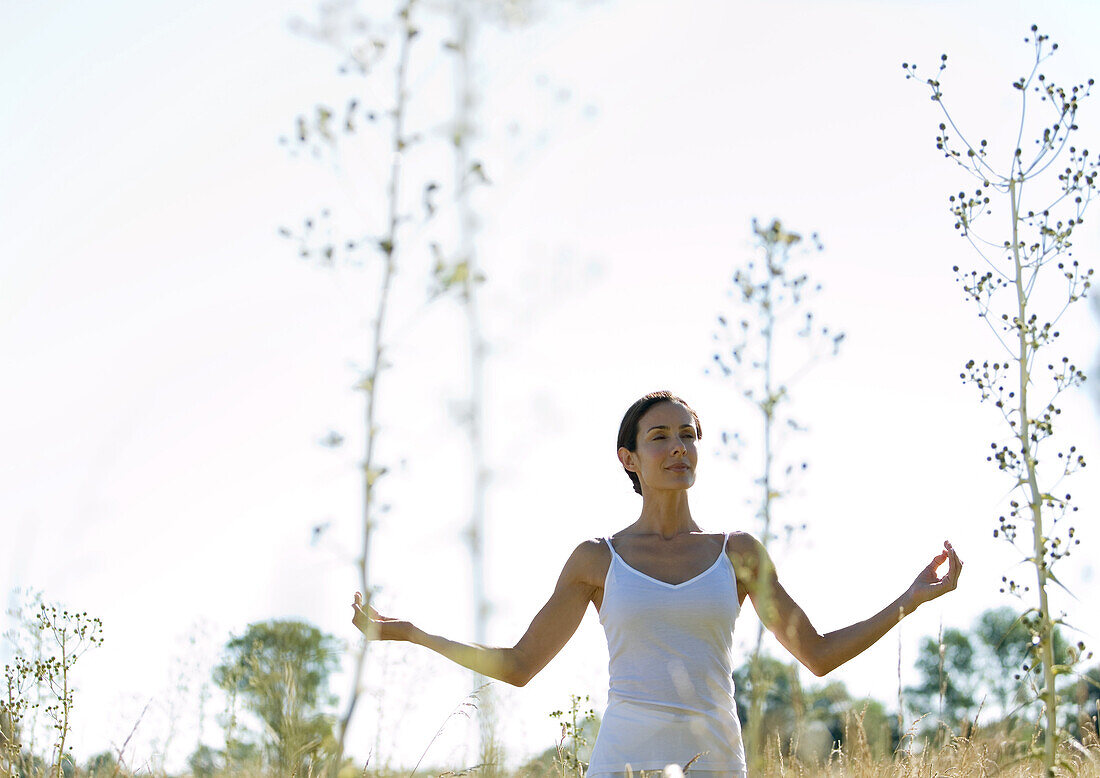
<point x="928" y="585"/>
<point x="376" y="626"/>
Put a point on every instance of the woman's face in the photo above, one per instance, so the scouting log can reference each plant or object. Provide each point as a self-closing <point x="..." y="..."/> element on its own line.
<point x="665" y="457"/>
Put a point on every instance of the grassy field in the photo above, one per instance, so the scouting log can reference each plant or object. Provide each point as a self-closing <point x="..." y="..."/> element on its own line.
<point x="958" y="757"/>
<point x="987" y="754"/>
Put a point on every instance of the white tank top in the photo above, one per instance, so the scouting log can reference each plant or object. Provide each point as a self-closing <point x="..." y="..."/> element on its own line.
<point x="671" y="668"/>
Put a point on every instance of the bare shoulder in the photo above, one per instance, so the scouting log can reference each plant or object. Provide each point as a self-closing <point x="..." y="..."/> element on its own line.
<point x="747" y="554"/>
<point x="588" y="563"/>
<point x="743" y="544"/>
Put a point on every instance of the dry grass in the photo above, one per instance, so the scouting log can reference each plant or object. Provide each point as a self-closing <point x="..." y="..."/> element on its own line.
<point x="989" y="754"/>
<point x="960" y="758"/>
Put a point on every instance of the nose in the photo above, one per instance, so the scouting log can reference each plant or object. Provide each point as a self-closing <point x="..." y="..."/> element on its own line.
<point x="678" y="446"/>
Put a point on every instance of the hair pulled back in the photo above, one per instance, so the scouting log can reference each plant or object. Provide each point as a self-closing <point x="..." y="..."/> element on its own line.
<point x="628" y="429"/>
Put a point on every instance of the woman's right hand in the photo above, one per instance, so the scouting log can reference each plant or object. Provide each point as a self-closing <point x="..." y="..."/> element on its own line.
<point x="376" y="626"/>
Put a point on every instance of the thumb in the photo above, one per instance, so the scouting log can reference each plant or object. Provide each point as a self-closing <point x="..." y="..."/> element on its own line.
<point x="937" y="560"/>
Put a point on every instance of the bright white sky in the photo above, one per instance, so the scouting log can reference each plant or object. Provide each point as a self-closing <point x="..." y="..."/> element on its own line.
<point x="170" y="364"/>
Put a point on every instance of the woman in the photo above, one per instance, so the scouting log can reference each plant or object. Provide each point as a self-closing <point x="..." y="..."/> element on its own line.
<point x="667" y="594"/>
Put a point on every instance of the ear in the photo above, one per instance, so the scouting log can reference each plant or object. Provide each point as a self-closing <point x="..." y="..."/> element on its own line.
<point x="626" y="457"/>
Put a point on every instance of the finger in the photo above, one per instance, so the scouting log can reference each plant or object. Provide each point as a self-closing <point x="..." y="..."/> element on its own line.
<point x="947" y="580"/>
<point x="956" y="566"/>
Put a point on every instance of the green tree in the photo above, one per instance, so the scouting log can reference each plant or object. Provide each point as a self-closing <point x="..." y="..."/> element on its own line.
<point x="777" y="697"/>
<point x="203" y="761"/>
<point x="880" y="727"/>
<point x="780" y="708"/>
<point x="280" y="671"/>
<point x="1087" y="699"/>
<point x="791" y="714"/>
<point x="829" y="704"/>
<point x="995" y="666"/>
<point x="1007" y="644"/>
<point x="947" y="678"/>
<point x="1012" y="657"/>
<point x="102" y="765"/>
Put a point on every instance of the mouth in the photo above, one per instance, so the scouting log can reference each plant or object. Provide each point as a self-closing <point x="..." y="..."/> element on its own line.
<point x="678" y="468"/>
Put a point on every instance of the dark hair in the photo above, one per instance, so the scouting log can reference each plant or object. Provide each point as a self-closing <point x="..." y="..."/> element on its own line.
<point x="628" y="429"/>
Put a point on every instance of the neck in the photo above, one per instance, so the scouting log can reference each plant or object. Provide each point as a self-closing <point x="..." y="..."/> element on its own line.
<point x="666" y="514"/>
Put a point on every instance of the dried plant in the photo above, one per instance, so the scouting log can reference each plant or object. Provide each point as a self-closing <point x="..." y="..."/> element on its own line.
<point x="43" y="679"/>
<point x="370" y="48"/>
<point x="1026" y="279"/>
<point x="767" y="341"/>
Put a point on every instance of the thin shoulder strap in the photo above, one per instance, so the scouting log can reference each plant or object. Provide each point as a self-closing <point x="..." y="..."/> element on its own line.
<point x="614" y="553"/>
<point x="726" y="545"/>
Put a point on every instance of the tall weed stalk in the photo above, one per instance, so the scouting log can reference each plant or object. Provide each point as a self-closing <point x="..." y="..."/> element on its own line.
<point x="757" y="337"/>
<point x="40" y="678"/>
<point x="376" y="47"/>
<point x="1035" y="194"/>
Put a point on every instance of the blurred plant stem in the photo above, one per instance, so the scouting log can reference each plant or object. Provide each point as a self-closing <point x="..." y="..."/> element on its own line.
<point x="768" y="295"/>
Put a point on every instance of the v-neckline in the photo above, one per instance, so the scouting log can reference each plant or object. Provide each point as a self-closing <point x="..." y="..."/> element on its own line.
<point x="635" y="570"/>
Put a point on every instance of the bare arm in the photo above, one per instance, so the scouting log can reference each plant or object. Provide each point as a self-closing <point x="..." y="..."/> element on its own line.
<point x="548" y="633"/>
<point x="788" y="622"/>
